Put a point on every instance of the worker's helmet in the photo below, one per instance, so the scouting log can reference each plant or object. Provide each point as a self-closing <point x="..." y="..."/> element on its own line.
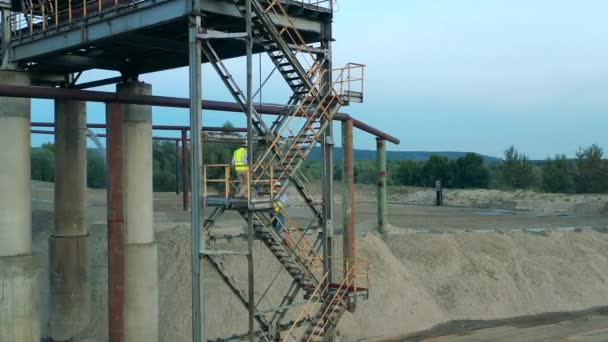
<point x="277" y="183"/>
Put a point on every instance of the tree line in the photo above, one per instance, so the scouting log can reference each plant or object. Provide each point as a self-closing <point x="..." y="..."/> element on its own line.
<point x="586" y="173"/>
<point x="167" y="167"/>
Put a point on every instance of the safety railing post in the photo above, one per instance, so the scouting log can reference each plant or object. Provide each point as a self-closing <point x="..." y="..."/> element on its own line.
<point x="31" y="13"/>
<point x="248" y="185"/>
<point x="42" y="12"/>
<point x="184" y="190"/>
<point x="227" y="179"/>
<point x="56" y="15"/>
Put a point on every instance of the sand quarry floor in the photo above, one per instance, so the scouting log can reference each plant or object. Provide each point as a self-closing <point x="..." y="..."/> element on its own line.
<point x="488" y="266"/>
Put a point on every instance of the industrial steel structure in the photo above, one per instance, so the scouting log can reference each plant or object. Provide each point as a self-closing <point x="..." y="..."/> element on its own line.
<point x="47" y="44"/>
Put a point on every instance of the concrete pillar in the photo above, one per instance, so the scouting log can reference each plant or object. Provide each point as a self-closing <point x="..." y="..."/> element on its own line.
<point x="68" y="252"/>
<point x="19" y="269"/>
<point x="141" y="258"/>
<point x="382" y="210"/>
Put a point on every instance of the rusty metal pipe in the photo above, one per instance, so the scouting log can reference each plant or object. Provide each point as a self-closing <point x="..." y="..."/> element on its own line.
<point x="38" y="131"/>
<point x="158" y="127"/>
<point x="164" y="101"/>
<point x="348" y="201"/>
<point x="116" y="233"/>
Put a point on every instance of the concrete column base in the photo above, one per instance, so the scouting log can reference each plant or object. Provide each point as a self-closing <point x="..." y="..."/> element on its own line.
<point x="69" y="284"/>
<point x="141" y="292"/>
<point x="20" y="298"/>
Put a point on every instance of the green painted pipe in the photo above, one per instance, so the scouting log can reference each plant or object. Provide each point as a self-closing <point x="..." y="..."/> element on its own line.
<point x="382" y="210"/>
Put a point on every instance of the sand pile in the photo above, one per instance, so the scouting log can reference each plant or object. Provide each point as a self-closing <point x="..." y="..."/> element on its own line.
<point x="502" y="275"/>
<point x="418" y="280"/>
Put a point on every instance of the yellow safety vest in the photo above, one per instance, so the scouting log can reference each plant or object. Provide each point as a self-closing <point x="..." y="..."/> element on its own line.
<point x="277" y="206"/>
<point x="239" y="160"/>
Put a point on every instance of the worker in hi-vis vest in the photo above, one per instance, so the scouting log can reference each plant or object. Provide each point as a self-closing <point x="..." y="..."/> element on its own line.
<point x="239" y="161"/>
<point x="278" y="219"/>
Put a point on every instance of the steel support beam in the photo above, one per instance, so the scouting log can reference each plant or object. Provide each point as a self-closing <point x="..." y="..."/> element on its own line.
<point x="98" y="83"/>
<point x="194" y="54"/>
<point x="5" y="33"/>
<point x="250" y="159"/>
<point x="185" y="173"/>
<point x="382" y="210"/>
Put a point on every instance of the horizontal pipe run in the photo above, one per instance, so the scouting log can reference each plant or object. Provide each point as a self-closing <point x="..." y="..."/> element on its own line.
<point x="156" y="127"/>
<point x="212" y="141"/>
<point x="163" y="101"/>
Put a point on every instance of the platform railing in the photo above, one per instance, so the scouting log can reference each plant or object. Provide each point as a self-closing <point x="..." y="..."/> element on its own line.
<point x="326" y="299"/>
<point x="222" y="177"/>
<point x="48" y="15"/>
<point x="316" y="4"/>
<point x="349" y="79"/>
<point x="299" y="127"/>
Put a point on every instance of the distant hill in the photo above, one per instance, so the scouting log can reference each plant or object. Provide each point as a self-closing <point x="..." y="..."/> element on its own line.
<point x="398" y="155"/>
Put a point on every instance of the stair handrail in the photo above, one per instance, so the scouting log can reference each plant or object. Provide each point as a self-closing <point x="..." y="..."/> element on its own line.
<point x="278" y="137"/>
<point x="299" y="40"/>
<point x="309" y="256"/>
<point x="230" y="184"/>
<point x="306" y="312"/>
<point x="350" y="279"/>
<point x="348" y="76"/>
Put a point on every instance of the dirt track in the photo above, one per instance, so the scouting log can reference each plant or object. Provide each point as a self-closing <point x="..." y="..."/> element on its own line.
<point x="582" y="326"/>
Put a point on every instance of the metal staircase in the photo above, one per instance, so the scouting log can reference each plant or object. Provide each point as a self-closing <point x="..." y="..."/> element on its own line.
<point x="318" y="93"/>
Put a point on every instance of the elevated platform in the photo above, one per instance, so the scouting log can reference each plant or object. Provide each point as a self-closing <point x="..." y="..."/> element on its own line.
<point x="136" y="37"/>
<point x="354" y="294"/>
<point x="239" y="203"/>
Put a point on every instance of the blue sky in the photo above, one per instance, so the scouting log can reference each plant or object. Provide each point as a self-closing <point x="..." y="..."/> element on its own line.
<point x="465" y="75"/>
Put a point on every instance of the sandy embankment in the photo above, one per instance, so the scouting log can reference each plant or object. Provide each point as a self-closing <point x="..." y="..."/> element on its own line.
<point x="418" y="280"/>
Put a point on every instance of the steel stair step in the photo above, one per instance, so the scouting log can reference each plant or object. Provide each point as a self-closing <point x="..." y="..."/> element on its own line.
<point x="315" y="332"/>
